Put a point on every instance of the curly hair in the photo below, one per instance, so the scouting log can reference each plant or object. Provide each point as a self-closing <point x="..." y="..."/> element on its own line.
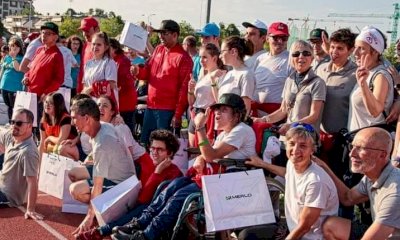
<point x="171" y="141"/>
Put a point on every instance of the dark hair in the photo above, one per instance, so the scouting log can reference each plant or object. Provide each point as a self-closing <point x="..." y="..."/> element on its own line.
<point x="243" y="46"/>
<point x="59" y="108"/>
<point x="214" y="52"/>
<point x="75" y="38"/>
<point x="384" y="38"/>
<point x="28" y="113"/>
<point x="117" y="46"/>
<point x="5" y="48"/>
<point x="167" y="137"/>
<point x="343" y="35"/>
<point x="17" y="41"/>
<point x="191" y="41"/>
<point x="106" y="40"/>
<point x="80" y="96"/>
<point x="114" y="106"/>
<point x="86" y="106"/>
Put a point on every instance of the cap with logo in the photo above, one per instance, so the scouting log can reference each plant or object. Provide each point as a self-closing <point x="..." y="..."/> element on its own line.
<point x="168" y="26"/>
<point x="278" y="29"/>
<point x="87" y="23"/>
<point x="210" y="29"/>
<point x="230" y="99"/>
<point x="316" y="34"/>
<point x="257" y="24"/>
<point x="50" y="26"/>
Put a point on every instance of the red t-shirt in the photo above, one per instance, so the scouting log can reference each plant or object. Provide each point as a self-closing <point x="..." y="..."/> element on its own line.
<point x="127" y="92"/>
<point x="168" y="74"/>
<point x="46" y="71"/>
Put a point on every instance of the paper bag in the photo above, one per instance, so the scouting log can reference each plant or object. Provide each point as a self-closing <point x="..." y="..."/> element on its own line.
<point x="69" y="204"/>
<point x="134" y="36"/>
<point x="52" y="172"/>
<point x="181" y="157"/>
<point x="112" y="204"/>
<point x="234" y="200"/>
<point x="28" y="101"/>
<point x="66" y="92"/>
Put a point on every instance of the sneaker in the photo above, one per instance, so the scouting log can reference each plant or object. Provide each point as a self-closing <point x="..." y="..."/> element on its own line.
<point x="138" y="236"/>
<point x="92" y="234"/>
<point x="127" y="229"/>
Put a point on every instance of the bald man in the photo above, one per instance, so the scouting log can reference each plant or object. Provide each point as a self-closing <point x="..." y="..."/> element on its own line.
<point x="370" y="153"/>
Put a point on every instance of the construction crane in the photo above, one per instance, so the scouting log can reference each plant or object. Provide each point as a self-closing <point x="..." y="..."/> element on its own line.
<point x="395" y="19"/>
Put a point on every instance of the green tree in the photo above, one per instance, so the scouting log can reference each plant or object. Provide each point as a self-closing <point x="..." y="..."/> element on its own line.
<point x="70" y="26"/>
<point x="100" y="13"/>
<point x="390" y="54"/>
<point x="91" y="11"/>
<point x="186" y="30"/>
<point x="232" y="30"/>
<point x="70" y="12"/>
<point x="112" y="26"/>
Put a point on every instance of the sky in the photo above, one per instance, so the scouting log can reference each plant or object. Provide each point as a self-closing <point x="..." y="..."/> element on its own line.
<point x="236" y="11"/>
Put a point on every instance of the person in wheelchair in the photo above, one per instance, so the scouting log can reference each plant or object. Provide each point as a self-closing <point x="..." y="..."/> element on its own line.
<point x="236" y="140"/>
<point x="310" y="193"/>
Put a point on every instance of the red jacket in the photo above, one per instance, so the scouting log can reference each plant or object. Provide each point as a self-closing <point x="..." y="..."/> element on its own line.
<point x="86" y="55"/>
<point x="150" y="187"/>
<point x="126" y="84"/>
<point x="168" y="74"/>
<point x="46" y="71"/>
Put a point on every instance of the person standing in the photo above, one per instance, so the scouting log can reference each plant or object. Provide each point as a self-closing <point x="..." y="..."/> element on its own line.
<point x="256" y="33"/>
<point x="320" y="56"/>
<point x="168" y="73"/>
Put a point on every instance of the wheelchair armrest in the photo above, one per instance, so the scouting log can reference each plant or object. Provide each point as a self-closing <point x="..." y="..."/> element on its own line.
<point x="228" y="162"/>
<point x="193" y="150"/>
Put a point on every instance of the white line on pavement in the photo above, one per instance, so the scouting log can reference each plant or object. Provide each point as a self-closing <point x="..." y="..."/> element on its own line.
<point x="46" y="226"/>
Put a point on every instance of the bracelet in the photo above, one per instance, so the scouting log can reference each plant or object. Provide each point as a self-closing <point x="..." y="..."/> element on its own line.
<point x="200" y="128"/>
<point x="203" y="143"/>
<point x="191" y="93"/>
<point x="213" y="84"/>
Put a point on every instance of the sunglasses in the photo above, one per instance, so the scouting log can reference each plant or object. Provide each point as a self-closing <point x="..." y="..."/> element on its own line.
<point x="304" y="53"/>
<point x="282" y="38"/>
<point x="17" y="123"/>
<point x="309" y="128"/>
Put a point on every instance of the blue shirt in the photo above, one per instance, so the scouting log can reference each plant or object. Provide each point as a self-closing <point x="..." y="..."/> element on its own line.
<point x="11" y="79"/>
<point x="138" y="60"/>
<point x="75" y="71"/>
<point x="196" y="67"/>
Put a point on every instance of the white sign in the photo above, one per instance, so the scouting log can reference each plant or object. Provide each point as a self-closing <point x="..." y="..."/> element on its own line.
<point x="134" y="36"/>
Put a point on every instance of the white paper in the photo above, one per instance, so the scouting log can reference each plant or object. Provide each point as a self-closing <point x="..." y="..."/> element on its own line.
<point x="28" y="101"/>
<point x="134" y="36"/>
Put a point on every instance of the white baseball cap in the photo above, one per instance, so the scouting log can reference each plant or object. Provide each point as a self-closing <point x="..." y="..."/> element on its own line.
<point x="256" y="24"/>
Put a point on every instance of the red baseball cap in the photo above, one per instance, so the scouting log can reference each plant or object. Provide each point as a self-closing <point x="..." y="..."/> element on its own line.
<point x="278" y="29"/>
<point x="87" y="23"/>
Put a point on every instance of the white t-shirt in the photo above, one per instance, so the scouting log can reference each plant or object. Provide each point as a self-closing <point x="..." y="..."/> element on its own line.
<point x="125" y="133"/>
<point x="270" y="75"/>
<point x="31" y="49"/>
<point x="97" y="70"/>
<point x="238" y="81"/>
<point x="69" y="60"/>
<point x="242" y="137"/>
<point x="203" y="93"/>
<point x="251" y="61"/>
<point x="313" y="188"/>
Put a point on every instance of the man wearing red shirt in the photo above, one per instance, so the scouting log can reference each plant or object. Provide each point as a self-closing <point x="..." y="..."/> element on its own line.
<point x="168" y="73"/>
<point x="89" y="26"/>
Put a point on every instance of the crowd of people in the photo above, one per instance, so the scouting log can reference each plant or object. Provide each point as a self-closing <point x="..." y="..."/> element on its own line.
<point x="127" y="108"/>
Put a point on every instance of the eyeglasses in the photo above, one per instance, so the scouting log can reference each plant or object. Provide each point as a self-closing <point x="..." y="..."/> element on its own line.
<point x="361" y="148"/>
<point x="17" y="123"/>
<point x="304" y="53"/>
<point x="282" y="38"/>
<point x="48" y="103"/>
<point x="309" y="128"/>
<point x="157" y="149"/>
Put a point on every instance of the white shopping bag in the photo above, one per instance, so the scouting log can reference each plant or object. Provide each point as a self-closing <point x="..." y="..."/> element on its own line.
<point x="52" y="172"/>
<point x="28" y="101"/>
<point x="66" y="92"/>
<point x="69" y="204"/>
<point x="134" y="36"/>
<point x="181" y="158"/>
<point x="234" y="200"/>
<point x="112" y="204"/>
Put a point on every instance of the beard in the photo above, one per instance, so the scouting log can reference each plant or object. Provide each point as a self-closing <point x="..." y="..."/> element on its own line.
<point x="362" y="168"/>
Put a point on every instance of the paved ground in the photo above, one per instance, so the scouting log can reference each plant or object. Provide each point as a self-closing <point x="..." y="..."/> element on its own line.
<point x="56" y="225"/>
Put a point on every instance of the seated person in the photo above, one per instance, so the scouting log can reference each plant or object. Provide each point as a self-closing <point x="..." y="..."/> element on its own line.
<point x="310" y="193"/>
<point x="112" y="162"/>
<point x="18" y="178"/>
<point x="370" y="154"/>
<point x="161" y="215"/>
<point x="163" y="146"/>
<point x="55" y="125"/>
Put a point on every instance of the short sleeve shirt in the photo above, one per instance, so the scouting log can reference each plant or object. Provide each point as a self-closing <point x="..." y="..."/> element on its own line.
<point x="21" y="160"/>
<point x="238" y="81"/>
<point x="97" y="70"/>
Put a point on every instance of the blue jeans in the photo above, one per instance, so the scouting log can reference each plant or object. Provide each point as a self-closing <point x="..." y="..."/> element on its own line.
<point x="161" y="215"/>
<point x="3" y="198"/>
<point x="129" y="119"/>
<point x="155" y="119"/>
<point x="134" y="213"/>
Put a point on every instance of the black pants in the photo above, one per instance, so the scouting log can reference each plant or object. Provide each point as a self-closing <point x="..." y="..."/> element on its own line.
<point x="9" y="100"/>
